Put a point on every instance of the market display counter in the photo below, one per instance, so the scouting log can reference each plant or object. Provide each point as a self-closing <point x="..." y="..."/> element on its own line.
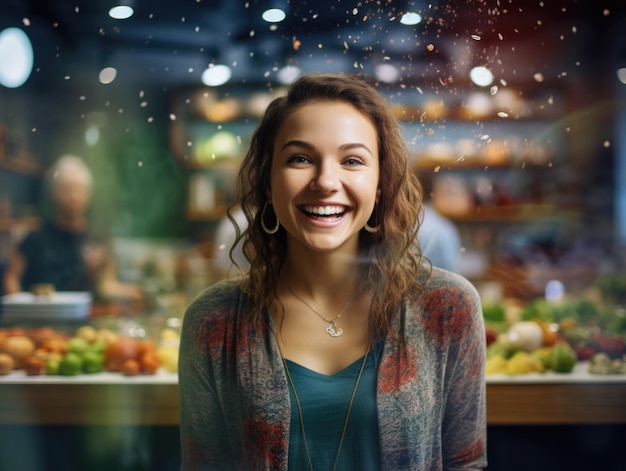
<point x="557" y="398"/>
<point x="112" y="399"/>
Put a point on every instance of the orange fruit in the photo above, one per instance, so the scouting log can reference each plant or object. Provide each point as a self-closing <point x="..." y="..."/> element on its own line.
<point x="130" y="367"/>
<point x="149" y="363"/>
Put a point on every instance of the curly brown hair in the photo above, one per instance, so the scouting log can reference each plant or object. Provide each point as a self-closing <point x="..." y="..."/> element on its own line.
<point x="390" y="257"/>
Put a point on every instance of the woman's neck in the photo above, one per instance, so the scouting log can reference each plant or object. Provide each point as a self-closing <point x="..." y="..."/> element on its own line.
<point x="316" y="275"/>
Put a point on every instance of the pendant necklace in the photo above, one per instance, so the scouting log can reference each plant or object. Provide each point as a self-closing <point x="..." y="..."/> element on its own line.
<point x="345" y="423"/>
<point x="331" y="329"/>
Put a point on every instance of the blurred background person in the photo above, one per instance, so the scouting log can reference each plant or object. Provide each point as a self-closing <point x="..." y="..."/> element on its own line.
<point x="438" y="237"/>
<point x="65" y="252"/>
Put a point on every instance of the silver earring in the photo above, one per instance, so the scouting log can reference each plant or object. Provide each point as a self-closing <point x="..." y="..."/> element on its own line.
<point x="268" y="230"/>
<point x="372" y="229"/>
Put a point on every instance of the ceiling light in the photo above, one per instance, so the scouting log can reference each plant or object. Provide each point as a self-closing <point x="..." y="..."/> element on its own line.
<point x="621" y="75"/>
<point x="16" y="57"/>
<point x="288" y="74"/>
<point x="107" y="75"/>
<point x="274" y="15"/>
<point x="481" y="76"/>
<point x="216" y="75"/>
<point x="411" y="18"/>
<point x="121" y="12"/>
<point x="387" y="73"/>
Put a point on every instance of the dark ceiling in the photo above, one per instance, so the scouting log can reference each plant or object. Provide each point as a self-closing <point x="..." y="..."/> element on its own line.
<point x="172" y="42"/>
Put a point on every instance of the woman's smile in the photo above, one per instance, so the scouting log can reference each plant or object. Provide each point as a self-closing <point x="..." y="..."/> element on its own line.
<point x="324" y="214"/>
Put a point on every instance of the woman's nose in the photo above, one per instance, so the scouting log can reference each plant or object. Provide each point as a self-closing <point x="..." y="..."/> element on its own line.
<point x="326" y="178"/>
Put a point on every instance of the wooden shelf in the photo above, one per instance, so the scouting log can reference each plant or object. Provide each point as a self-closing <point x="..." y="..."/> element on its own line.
<point x="10" y="224"/>
<point x="427" y="162"/>
<point x="22" y="165"/>
<point x="203" y="216"/>
<point x="110" y="398"/>
<point x="511" y="213"/>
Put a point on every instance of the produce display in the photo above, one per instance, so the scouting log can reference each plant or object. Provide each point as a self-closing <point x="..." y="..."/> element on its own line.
<point x="546" y="335"/>
<point x="538" y="337"/>
<point x="46" y="351"/>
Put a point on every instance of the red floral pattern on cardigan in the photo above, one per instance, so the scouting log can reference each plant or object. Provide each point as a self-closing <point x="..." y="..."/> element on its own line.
<point x="396" y="370"/>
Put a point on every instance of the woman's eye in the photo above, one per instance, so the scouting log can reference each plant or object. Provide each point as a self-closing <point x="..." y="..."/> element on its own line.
<point x="353" y="161"/>
<point x="299" y="159"/>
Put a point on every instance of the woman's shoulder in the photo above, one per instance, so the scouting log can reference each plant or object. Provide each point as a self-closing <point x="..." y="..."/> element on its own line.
<point x="445" y="287"/>
<point x="440" y="279"/>
<point x="220" y="295"/>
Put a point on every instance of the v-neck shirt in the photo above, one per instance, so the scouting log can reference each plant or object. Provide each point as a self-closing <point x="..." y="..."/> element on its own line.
<point x="325" y="400"/>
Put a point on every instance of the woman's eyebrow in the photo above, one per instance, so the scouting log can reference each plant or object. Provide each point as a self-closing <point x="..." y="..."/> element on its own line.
<point x="295" y="142"/>
<point x="356" y="145"/>
<point x="343" y="147"/>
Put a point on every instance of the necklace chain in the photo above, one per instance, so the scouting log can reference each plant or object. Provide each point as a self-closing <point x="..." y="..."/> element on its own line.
<point x="345" y="422"/>
<point x="331" y="329"/>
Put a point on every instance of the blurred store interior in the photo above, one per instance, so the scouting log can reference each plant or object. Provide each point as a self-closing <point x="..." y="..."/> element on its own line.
<point x="516" y="108"/>
<point x="529" y="162"/>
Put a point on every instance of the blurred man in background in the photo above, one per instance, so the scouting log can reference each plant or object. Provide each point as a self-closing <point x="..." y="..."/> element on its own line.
<point x="65" y="254"/>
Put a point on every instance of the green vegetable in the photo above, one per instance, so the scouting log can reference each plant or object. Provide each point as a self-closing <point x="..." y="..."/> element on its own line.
<point x="577" y="336"/>
<point x="51" y="366"/>
<point x="494" y="313"/>
<point x="563" y="358"/>
<point x="538" y="309"/>
<point x="500" y="349"/>
<point x="93" y="362"/>
<point x="77" y="345"/>
<point x="71" y="364"/>
<point x="613" y="288"/>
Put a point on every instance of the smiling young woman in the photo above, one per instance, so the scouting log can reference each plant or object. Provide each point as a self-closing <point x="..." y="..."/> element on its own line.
<point x="337" y="349"/>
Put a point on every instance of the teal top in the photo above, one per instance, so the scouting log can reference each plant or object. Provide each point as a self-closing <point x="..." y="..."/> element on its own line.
<point x="324" y="400"/>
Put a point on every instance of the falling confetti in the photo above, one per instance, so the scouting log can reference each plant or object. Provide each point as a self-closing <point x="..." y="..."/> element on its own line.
<point x="475" y="37"/>
<point x="493" y="90"/>
<point x="538" y="77"/>
<point x="502" y="114"/>
<point x="26" y="22"/>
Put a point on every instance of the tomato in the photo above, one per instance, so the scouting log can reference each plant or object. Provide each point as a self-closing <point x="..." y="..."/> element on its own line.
<point x="130" y="368"/>
<point x="120" y="350"/>
<point x="149" y="363"/>
<point x="33" y="366"/>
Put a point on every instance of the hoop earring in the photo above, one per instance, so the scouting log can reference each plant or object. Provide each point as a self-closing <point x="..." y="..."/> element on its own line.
<point x="372" y="229"/>
<point x="268" y="230"/>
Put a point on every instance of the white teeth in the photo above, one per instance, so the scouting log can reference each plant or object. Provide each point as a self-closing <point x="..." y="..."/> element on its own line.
<point x="323" y="210"/>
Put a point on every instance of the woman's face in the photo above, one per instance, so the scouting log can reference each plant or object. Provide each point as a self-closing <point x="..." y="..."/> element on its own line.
<point x="324" y="175"/>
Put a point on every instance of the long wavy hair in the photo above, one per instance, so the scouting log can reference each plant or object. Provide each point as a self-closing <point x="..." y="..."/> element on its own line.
<point x="390" y="258"/>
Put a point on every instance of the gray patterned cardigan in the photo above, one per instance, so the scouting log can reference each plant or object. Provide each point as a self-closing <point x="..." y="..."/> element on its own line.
<point x="234" y="396"/>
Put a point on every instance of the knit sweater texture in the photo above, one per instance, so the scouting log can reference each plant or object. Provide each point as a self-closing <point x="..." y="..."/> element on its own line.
<point x="234" y="395"/>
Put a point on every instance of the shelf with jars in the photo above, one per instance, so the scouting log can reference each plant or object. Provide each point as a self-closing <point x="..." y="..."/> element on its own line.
<point x="210" y="133"/>
<point x="496" y="154"/>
